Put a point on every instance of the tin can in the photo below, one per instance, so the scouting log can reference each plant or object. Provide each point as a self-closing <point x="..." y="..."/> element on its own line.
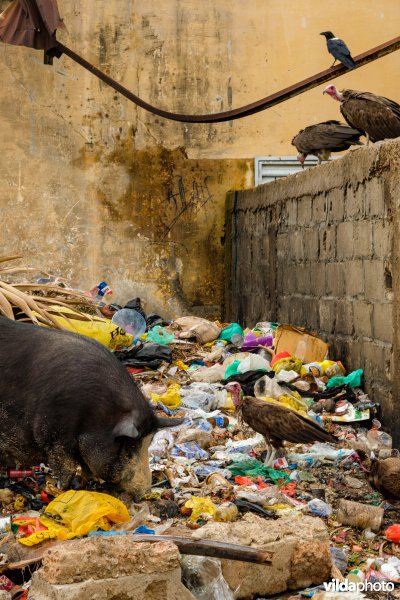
<point x="5" y="583"/>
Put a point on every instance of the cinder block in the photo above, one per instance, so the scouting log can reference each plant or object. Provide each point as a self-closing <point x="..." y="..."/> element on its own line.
<point x="318" y="279"/>
<point x="327" y="242"/>
<point x="374" y="360"/>
<point x="334" y="279"/>
<point x="284" y="309"/>
<point x="362" y="319"/>
<point x="311" y="314"/>
<point x="355" y="202"/>
<point x="374" y="280"/>
<point x="297" y="245"/>
<point x="375" y="197"/>
<point x="291" y="208"/>
<point x="382" y="239"/>
<point x="303" y="278"/>
<point x="345" y="240"/>
<point x="319" y="212"/>
<point x="304" y="211"/>
<point x="327" y="315"/>
<point x="282" y="245"/>
<point x="363" y="246"/>
<point x="354" y="277"/>
<point x="311" y="242"/>
<point x="335" y="204"/>
<point x="344" y="317"/>
<point x="383" y="322"/>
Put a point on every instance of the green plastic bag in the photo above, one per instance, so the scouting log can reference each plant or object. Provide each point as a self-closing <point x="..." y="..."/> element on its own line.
<point x="160" y="336"/>
<point x="354" y="379"/>
<point x="232" y="369"/>
<point x="251" y="467"/>
<point x="228" y="332"/>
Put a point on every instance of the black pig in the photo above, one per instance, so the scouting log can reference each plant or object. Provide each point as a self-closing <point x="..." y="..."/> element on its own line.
<point x="67" y="401"/>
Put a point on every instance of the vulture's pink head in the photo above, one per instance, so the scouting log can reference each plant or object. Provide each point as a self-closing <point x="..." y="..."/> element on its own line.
<point x="236" y="391"/>
<point x="333" y="92"/>
<point x="301" y="158"/>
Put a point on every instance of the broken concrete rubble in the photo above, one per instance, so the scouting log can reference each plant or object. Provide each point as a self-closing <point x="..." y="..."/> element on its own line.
<point x="107" y="569"/>
<point x="300" y="546"/>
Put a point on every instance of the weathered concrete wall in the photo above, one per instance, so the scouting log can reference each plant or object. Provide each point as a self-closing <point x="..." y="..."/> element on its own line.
<point x="321" y="249"/>
<point x="94" y="188"/>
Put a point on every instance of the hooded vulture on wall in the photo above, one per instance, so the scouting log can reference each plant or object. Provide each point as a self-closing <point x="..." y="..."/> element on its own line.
<point x="376" y="116"/>
<point x="324" y="138"/>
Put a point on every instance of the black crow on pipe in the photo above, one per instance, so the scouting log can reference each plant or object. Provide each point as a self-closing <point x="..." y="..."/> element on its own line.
<point x="339" y="50"/>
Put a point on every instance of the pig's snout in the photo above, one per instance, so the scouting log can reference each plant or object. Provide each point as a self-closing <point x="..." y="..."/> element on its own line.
<point x="136" y="475"/>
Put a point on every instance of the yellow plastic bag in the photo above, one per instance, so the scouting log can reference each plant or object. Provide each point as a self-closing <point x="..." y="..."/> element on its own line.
<point x="291" y="403"/>
<point x="102" y="330"/>
<point x="288" y="364"/>
<point x="201" y="508"/>
<point x="76" y="513"/>
<point x="171" y="398"/>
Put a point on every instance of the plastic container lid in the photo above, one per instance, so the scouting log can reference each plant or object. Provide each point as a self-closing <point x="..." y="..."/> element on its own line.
<point x="130" y="321"/>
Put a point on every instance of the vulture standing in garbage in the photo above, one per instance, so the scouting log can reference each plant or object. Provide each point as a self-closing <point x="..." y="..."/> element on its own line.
<point x="323" y="139"/>
<point x="384" y="475"/>
<point x="339" y="50"/>
<point x="276" y="423"/>
<point x="376" y="116"/>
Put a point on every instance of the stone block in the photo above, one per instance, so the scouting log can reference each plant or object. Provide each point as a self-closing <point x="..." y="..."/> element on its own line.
<point x="362" y="319"/>
<point x="383" y="322"/>
<point x="363" y="245"/>
<point x="345" y="240"/>
<point x="300" y="549"/>
<point x="109" y="568"/>
<point x="318" y="283"/>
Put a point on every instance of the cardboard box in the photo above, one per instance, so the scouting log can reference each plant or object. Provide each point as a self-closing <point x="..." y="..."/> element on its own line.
<point x="301" y="344"/>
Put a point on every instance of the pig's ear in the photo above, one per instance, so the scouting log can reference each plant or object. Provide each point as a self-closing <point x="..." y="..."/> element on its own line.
<point x="163" y="422"/>
<point x="126" y="428"/>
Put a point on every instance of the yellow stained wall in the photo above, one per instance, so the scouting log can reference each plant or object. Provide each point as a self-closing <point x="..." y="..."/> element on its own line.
<point x="94" y="188"/>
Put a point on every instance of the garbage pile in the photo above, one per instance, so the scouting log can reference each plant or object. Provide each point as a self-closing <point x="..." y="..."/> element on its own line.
<point x="214" y="467"/>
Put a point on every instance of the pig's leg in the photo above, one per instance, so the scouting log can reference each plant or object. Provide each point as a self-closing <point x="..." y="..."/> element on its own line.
<point x="62" y="465"/>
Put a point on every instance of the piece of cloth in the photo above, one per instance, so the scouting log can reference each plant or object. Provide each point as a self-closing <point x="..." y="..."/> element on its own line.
<point x="196" y="327"/>
<point x="19" y="24"/>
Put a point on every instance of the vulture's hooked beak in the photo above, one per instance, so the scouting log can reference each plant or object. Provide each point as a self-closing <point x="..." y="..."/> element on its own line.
<point x="324" y="92"/>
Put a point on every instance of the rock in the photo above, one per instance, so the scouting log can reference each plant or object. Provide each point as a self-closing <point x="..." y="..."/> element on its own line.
<point x="301" y="553"/>
<point x="109" y="568"/>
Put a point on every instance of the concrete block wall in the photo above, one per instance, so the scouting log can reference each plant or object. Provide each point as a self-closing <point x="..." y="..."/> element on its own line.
<point x="320" y="249"/>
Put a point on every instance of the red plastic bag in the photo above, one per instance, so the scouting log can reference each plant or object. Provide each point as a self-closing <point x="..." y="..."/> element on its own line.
<point x="393" y="533"/>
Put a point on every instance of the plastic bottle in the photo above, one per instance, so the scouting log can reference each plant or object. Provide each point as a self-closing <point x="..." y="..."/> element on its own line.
<point x="219" y="421"/>
<point x="101" y="291"/>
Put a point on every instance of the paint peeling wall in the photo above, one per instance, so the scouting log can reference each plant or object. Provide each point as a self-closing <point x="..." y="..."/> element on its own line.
<point x="94" y="188"/>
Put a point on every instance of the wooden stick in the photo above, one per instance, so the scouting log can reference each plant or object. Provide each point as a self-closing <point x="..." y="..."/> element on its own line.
<point x="213" y="548"/>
